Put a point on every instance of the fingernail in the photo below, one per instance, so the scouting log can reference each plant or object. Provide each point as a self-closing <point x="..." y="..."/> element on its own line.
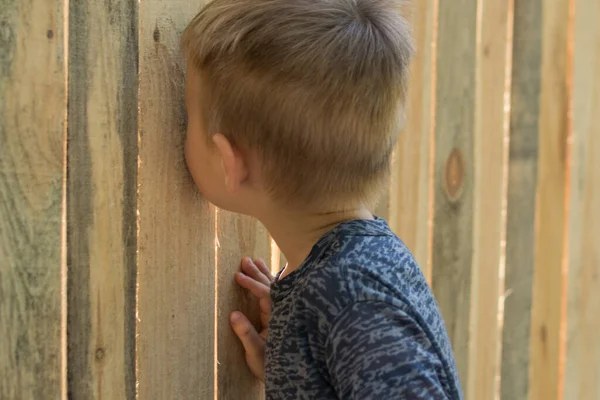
<point x="235" y="317"/>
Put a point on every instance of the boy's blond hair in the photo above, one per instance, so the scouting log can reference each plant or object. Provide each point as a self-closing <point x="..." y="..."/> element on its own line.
<point x="317" y="87"/>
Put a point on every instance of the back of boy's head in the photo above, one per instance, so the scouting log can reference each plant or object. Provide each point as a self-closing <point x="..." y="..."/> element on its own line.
<point x="316" y="87"/>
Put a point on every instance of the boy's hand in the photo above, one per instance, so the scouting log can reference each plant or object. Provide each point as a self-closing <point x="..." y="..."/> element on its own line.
<point x="256" y="277"/>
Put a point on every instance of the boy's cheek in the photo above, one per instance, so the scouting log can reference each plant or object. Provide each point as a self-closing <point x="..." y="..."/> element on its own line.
<point x="192" y="153"/>
<point x="187" y="154"/>
<point x="191" y="161"/>
<point x="206" y="177"/>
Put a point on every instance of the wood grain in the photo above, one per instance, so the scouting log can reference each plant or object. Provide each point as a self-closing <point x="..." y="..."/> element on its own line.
<point x="548" y="277"/>
<point x="238" y="237"/>
<point x="101" y="198"/>
<point x="582" y="370"/>
<point x="176" y="258"/>
<point x="491" y="154"/>
<point x="410" y="211"/>
<point x="522" y="186"/>
<point x="32" y="112"/>
<point x="453" y="218"/>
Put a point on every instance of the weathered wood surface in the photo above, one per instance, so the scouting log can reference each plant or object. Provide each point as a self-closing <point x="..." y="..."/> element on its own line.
<point x="410" y="204"/>
<point x="453" y="217"/>
<point x="176" y="256"/>
<point x="237" y="237"/>
<point x="582" y="368"/>
<point x="522" y="186"/>
<point x="548" y="299"/>
<point x="32" y="112"/>
<point x="491" y="154"/>
<point x="101" y="198"/>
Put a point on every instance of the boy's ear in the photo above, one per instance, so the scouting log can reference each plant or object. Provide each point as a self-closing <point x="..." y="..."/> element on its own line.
<point x="233" y="163"/>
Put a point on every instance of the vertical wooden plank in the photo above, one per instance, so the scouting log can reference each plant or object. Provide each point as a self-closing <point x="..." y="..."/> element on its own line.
<point x="410" y="211"/>
<point x="176" y="258"/>
<point x="32" y="112"/>
<point x="582" y="370"/>
<point x="238" y="237"/>
<point x="494" y="51"/>
<point x="548" y="277"/>
<point x="522" y="186"/>
<point x="101" y="198"/>
<point x="453" y="217"/>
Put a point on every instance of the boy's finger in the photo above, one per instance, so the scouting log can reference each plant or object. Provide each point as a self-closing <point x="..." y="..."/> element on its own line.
<point x="265" y="311"/>
<point x="251" y="340"/>
<point x="262" y="267"/>
<point x="255" y="287"/>
<point x="250" y="269"/>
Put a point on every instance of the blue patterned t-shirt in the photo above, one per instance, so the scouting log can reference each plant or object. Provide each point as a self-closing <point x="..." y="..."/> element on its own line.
<point x="358" y="321"/>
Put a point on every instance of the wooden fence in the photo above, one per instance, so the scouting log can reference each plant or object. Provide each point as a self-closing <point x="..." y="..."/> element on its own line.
<point x="116" y="277"/>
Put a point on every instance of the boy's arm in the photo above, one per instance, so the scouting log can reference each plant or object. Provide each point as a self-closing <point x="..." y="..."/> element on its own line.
<point x="376" y="351"/>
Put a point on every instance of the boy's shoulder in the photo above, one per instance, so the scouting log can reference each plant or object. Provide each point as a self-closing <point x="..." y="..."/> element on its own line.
<point x="360" y="299"/>
<point x="363" y="261"/>
<point x="364" y="264"/>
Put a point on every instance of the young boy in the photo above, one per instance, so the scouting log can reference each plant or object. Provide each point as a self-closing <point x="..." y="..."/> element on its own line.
<point x="294" y="107"/>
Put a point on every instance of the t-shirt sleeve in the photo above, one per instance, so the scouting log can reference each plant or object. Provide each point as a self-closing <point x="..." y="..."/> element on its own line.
<point x="377" y="351"/>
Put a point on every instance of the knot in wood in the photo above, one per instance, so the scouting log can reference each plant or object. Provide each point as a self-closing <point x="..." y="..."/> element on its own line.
<point x="543" y="334"/>
<point x="99" y="354"/>
<point x="454" y="174"/>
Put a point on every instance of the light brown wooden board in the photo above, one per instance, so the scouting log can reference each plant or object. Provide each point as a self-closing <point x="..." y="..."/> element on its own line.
<point x="548" y="280"/>
<point x="582" y="369"/>
<point x="522" y="185"/>
<point x="101" y="198"/>
<point x="453" y="218"/>
<point x="176" y="258"/>
<point x="491" y="151"/>
<point x="32" y="112"/>
<point x="238" y="237"/>
<point x="410" y="211"/>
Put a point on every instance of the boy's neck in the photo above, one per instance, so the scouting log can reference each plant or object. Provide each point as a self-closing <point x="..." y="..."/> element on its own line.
<point x="296" y="232"/>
